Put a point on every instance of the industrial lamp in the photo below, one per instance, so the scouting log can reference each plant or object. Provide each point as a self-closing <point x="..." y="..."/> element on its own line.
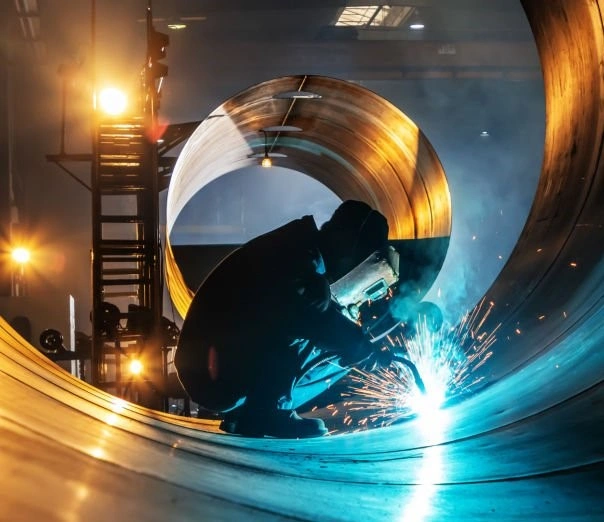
<point x="267" y="156"/>
<point x="112" y="101"/>
<point x="266" y="162"/>
<point x="21" y="255"/>
<point x="416" y="22"/>
<point x="135" y="367"/>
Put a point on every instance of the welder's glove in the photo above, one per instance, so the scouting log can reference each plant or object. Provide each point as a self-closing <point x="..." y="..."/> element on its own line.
<point x="380" y="357"/>
<point x="367" y="355"/>
<point x="355" y="353"/>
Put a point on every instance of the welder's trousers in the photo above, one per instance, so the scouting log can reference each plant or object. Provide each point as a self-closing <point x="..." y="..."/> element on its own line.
<point x="223" y="374"/>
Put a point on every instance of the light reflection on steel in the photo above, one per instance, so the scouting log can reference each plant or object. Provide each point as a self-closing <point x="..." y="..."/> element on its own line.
<point x="446" y="360"/>
<point x="353" y="141"/>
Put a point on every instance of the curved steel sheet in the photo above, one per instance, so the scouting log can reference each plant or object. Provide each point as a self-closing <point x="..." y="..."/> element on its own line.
<point x="352" y="140"/>
<point x="529" y="446"/>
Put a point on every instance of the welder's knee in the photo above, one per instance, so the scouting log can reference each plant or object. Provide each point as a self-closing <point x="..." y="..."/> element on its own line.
<point x="210" y="378"/>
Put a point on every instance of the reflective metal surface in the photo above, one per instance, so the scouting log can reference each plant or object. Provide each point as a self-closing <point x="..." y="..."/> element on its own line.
<point x="528" y="447"/>
<point x="353" y="141"/>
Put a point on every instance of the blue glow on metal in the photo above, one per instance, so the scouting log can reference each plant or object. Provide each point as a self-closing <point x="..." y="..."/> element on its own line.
<point x="446" y="359"/>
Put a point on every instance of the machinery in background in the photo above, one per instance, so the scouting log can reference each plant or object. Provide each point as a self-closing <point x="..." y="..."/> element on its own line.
<point x="128" y="332"/>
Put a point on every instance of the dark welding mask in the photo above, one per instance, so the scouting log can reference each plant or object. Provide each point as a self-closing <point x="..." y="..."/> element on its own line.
<point x="371" y="280"/>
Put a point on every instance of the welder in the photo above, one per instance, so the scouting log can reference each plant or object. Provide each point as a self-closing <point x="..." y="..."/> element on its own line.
<point x="265" y="317"/>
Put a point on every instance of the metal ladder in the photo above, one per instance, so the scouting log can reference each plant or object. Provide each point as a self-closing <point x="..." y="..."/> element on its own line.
<point x="126" y="256"/>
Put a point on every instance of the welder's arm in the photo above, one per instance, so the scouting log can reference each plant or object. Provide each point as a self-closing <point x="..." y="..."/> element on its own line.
<point x="313" y="291"/>
<point x="334" y="333"/>
<point x="319" y="319"/>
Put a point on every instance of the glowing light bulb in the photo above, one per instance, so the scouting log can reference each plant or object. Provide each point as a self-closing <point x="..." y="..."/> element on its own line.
<point x="21" y="255"/>
<point x="266" y="162"/>
<point x="136" y="367"/>
<point x="112" y="101"/>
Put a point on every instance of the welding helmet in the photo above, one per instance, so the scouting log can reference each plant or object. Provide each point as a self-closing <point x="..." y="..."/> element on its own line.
<point x="354" y="232"/>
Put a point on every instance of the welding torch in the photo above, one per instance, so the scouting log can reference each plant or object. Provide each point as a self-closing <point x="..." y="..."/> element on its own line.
<point x="414" y="371"/>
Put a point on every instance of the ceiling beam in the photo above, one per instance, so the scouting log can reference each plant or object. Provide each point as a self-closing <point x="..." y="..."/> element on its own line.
<point x="289" y="5"/>
<point x="395" y="58"/>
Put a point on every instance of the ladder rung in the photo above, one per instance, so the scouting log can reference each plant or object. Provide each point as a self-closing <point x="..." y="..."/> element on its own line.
<point x="120" y="180"/>
<point x="114" y="248"/>
<point x="129" y="336"/>
<point x="122" y="151"/>
<point x="123" y="136"/>
<point x="131" y="133"/>
<point x="120" y="160"/>
<point x="113" y="258"/>
<point x="126" y="243"/>
<point x="116" y="190"/>
<point x="126" y="172"/>
<point x="124" y="282"/>
<point x="122" y="126"/>
<point x="126" y="169"/>
<point x="119" y="251"/>
<point x="121" y="219"/>
<point x="116" y="159"/>
<point x="121" y="271"/>
<point x="113" y="295"/>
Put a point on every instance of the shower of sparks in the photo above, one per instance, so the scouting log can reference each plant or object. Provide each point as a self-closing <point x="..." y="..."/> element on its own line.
<point x="446" y="359"/>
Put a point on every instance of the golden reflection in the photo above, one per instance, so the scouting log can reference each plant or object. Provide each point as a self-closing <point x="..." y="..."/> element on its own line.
<point x="112" y="419"/>
<point x="390" y="165"/>
<point x="118" y="405"/>
<point x="97" y="452"/>
<point x="82" y="492"/>
<point x="180" y="293"/>
<point x="73" y="512"/>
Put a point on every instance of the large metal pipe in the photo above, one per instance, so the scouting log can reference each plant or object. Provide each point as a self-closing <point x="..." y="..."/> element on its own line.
<point x="528" y="446"/>
<point x="353" y="141"/>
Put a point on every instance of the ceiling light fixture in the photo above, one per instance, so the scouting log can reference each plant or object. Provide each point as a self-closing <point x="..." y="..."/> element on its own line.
<point x="267" y="155"/>
<point x="297" y="95"/>
<point x="177" y="27"/>
<point x="416" y="23"/>
<point x="281" y="128"/>
<point x="266" y="162"/>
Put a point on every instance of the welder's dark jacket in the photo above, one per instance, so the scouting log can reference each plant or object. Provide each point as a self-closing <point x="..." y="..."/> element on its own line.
<point x="264" y="296"/>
